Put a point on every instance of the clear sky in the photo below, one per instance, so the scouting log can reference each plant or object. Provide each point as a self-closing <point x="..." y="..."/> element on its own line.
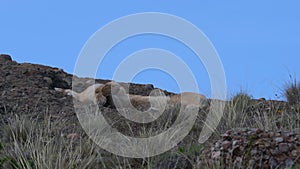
<point x="257" y="41"/>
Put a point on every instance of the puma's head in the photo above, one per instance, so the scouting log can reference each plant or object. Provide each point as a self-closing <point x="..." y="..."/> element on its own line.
<point x="108" y="89"/>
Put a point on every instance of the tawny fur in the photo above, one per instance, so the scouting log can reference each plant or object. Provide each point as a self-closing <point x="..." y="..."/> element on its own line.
<point x="102" y="94"/>
<point x="88" y="95"/>
<point x="185" y="98"/>
<point x="111" y="89"/>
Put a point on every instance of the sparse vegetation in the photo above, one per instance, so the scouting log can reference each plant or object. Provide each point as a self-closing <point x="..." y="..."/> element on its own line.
<point x="241" y="102"/>
<point x="236" y="113"/>
<point x="292" y="94"/>
<point x="31" y="143"/>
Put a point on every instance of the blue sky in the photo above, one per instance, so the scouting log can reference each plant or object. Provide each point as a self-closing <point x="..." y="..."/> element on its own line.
<point x="258" y="41"/>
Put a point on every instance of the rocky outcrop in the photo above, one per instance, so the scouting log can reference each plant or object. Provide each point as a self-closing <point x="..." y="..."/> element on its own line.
<point x="30" y="87"/>
<point x="256" y="148"/>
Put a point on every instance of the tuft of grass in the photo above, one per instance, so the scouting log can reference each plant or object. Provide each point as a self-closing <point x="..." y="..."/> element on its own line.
<point x="241" y="101"/>
<point x="38" y="144"/>
<point x="30" y="142"/>
<point x="236" y="113"/>
<point x="292" y="94"/>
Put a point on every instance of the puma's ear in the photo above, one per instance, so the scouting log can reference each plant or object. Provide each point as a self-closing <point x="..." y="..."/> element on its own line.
<point x="110" y="88"/>
<point x="115" y="87"/>
<point x="98" y="90"/>
<point x="104" y="90"/>
<point x="100" y="99"/>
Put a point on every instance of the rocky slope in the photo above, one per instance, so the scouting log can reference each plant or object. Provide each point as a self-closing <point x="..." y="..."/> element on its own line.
<point x="28" y="89"/>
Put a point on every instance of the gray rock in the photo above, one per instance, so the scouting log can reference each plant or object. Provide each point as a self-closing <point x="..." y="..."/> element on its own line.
<point x="48" y="81"/>
<point x="279" y="139"/>
<point x="5" y="58"/>
<point x="283" y="147"/>
<point x="289" y="163"/>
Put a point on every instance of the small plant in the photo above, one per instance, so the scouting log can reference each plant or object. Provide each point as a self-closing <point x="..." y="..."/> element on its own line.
<point x="292" y="93"/>
<point x="236" y="113"/>
<point x="191" y="150"/>
<point x="241" y="101"/>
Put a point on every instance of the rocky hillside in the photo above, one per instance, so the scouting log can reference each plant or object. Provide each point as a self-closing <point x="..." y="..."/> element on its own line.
<point x="27" y="90"/>
<point x="30" y="87"/>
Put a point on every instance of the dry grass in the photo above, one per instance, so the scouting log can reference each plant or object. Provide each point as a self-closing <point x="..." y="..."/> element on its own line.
<point x="292" y="94"/>
<point x="34" y="144"/>
<point x="29" y="143"/>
